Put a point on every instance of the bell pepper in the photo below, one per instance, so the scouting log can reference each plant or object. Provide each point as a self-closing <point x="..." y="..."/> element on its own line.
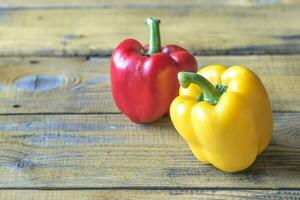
<point x="144" y="79"/>
<point x="224" y="115"/>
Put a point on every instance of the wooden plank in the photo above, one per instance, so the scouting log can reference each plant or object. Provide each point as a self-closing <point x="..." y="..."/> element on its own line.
<point x="203" y="29"/>
<point x="149" y="194"/>
<point x="105" y="151"/>
<point x="136" y="3"/>
<point x="79" y="85"/>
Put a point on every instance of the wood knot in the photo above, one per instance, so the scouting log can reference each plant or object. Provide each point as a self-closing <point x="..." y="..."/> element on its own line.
<point x="25" y="164"/>
<point x="39" y="82"/>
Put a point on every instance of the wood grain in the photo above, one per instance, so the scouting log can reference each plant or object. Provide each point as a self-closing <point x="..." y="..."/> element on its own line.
<point x="106" y="151"/>
<point x="149" y="194"/>
<point x="80" y="85"/>
<point x="99" y="154"/>
<point x="203" y="29"/>
<point x="19" y="4"/>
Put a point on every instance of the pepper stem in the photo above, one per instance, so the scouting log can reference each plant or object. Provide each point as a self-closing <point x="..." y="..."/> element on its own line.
<point x="210" y="93"/>
<point x="154" y="36"/>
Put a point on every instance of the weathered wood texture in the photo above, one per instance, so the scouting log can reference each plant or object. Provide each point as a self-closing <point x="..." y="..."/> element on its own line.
<point x="105" y="151"/>
<point x="79" y="85"/>
<point x="108" y="152"/>
<point x="149" y="194"/>
<point x="137" y="3"/>
<point x="203" y="29"/>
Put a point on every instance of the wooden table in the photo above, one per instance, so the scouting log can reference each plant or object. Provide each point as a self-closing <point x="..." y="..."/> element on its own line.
<point x="63" y="138"/>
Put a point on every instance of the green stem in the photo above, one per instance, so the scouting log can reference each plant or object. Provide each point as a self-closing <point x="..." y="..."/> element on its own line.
<point x="210" y="93"/>
<point x="154" y="37"/>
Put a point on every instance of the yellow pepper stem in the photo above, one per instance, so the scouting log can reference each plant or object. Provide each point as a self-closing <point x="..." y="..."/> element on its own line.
<point x="210" y="93"/>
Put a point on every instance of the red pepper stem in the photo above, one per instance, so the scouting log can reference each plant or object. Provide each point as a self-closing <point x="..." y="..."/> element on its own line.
<point x="154" y="36"/>
<point x="210" y="92"/>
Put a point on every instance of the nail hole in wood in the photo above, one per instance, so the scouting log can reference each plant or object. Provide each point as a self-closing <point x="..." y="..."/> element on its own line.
<point x="34" y="62"/>
<point x="16" y="106"/>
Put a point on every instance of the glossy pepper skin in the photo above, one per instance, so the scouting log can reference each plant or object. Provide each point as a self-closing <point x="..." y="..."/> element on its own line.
<point x="227" y="130"/>
<point x="144" y="79"/>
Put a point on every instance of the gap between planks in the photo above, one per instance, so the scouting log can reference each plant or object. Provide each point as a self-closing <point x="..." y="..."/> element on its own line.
<point x="149" y="188"/>
<point x="96" y="113"/>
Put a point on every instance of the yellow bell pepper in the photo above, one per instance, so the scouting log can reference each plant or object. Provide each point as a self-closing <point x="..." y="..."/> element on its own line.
<point x="224" y="115"/>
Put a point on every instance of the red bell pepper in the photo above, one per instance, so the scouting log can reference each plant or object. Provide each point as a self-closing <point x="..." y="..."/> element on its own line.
<point x="144" y="79"/>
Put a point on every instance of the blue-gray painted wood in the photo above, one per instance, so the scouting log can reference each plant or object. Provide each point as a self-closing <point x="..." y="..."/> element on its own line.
<point x="109" y="151"/>
<point x="38" y="83"/>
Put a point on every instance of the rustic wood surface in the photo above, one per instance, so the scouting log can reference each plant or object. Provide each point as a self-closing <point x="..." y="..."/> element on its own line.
<point x="131" y="3"/>
<point x="61" y="135"/>
<point x="106" y="151"/>
<point x="207" y="29"/>
<point x="150" y="194"/>
<point x="80" y="85"/>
